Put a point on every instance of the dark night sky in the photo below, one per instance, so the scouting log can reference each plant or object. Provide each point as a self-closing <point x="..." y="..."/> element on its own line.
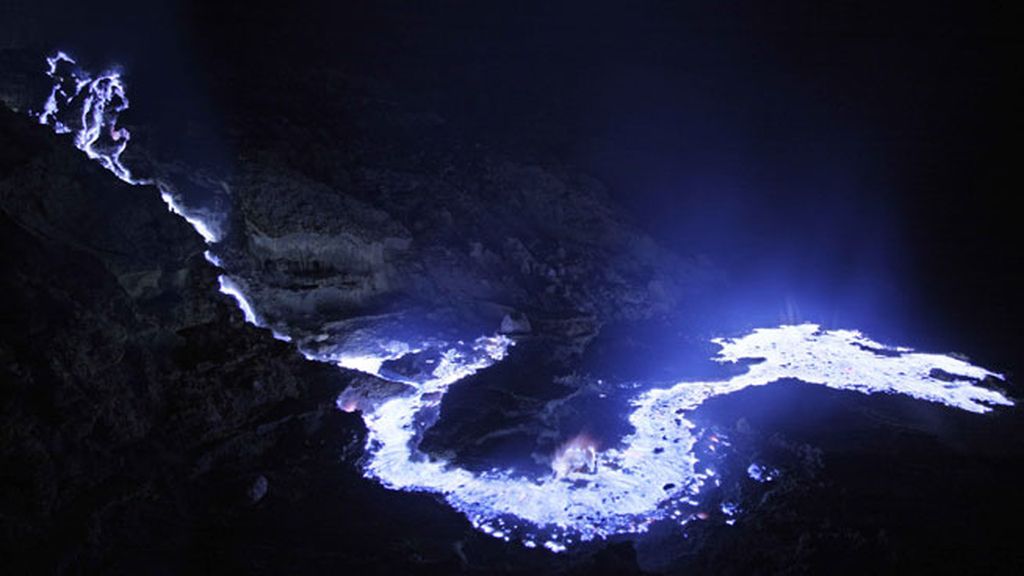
<point x="851" y="156"/>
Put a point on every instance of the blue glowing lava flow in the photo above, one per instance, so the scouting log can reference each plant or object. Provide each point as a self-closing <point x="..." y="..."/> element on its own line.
<point x="651" y="475"/>
<point x="88" y="107"/>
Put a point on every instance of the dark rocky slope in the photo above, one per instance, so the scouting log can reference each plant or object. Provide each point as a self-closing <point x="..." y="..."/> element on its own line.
<point x="145" y="428"/>
<point x="131" y="392"/>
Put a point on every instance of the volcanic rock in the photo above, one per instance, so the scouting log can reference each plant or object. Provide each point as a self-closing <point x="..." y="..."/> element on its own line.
<point x="130" y="388"/>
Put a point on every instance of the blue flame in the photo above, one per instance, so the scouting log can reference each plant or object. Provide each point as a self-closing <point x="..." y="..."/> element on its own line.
<point x="651" y="475"/>
<point x="94" y="105"/>
<point x="231" y="288"/>
<point x="58" y="93"/>
<point x="99" y="101"/>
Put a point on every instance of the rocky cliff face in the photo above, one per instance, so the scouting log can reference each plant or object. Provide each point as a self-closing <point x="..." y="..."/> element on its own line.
<point x="131" y="390"/>
<point x="386" y="207"/>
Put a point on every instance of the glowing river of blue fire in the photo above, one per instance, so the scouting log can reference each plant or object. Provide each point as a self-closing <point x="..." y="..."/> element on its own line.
<point x="650" y="475"/>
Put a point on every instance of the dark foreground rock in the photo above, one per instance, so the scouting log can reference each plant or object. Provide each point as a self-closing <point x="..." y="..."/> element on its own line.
<point x="135" y="405"/>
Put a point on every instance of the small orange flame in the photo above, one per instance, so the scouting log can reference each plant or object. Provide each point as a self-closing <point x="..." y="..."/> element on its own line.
<point x="349" y="401"/>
